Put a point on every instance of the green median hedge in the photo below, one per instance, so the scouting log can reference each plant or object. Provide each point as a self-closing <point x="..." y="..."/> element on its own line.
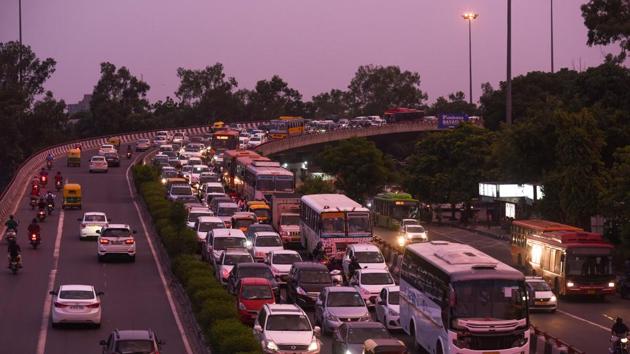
<point x="215" y="309"/>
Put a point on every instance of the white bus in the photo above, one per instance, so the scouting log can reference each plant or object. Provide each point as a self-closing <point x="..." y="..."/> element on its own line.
<point x="456" y="299"/>
<point x="335" y="220"/>
<point x="264" y="178"/>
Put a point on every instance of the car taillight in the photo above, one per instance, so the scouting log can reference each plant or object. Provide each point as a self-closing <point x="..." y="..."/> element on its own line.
<point x="129" y="242"/>
<point x="93" y="306"/>
<point x="60" y="305"/>
<point x="104" y="241"/>
<point x="34" y="237"/>
<point x="83" y="226"/>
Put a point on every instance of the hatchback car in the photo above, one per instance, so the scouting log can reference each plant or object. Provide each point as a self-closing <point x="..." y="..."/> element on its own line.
<point x="387" y="307"/>
<point x="143" y="144"/>
<point x="281" y="262"/>
<point x="98" y="164"/>
<point x="218" y="240"/>
<point x="252" y="270"/>
<point x="306" y="280"/>
<point x="350" y="337"/>
<point x="168" y="172"/>
<point x="339" y="304"/>
<point x="116" y="240"/>
<point x="414" y="233"/>
<point x="370" y="282"/>
<point x="228" y="260"/>
<point x="180" y="192"/>
<point x="265" y="242"/>
<point x="91" y="223"/>
<point x="105" y="148"/>
<point x="132" y="341"/>
<point x="541" y="297"/>
<point x="286" y="329"/>
<point x="254" y="228"/>
<point x="76" y="304"/>
<point x="251" y="295"/>
<point x="112" y="158"/>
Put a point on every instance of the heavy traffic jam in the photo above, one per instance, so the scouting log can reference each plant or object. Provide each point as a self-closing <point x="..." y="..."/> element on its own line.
<point x="306" y="268"/>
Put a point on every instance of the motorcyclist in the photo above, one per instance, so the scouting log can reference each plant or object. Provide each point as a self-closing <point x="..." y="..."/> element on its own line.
<point x="353" y="266"/>
<point x="619" y="329"/>
<point x="50" y="198"/>
<point x="42" y="203"/>
<point x="34" y="228"/>
<point x="43" y="174"/>
<point x="11" y="224"/>
<point x="58" y="177"/>
<point x="14" y="251"/>
<point x="128" y="150"/>
<point x="49" y="157"/>
<point x="318" y="251"/>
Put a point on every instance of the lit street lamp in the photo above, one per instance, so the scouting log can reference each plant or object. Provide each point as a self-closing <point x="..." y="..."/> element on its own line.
<point x="470" y="16"/>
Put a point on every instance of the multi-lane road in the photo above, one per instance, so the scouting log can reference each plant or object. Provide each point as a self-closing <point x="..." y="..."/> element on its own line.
<point x="135" y="294"/>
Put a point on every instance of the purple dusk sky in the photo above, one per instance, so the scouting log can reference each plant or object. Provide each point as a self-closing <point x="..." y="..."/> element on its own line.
<point x="314" y="45"/>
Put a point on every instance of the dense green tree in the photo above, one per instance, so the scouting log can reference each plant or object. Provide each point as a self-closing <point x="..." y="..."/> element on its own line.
<point x="273" y="98"/>
<point x="455" y="104"/>
<point x="119" y="101"/>
<point x="359" y="167"/>
<point x="607" y="22"/>
<point x="615" y="197"/>
<point x="316" y="185"/>
<point x="330" y="104"/>
<point x="375" y="88"/>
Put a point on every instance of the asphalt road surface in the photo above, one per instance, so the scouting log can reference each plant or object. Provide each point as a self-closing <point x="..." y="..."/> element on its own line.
<point x="135" y="297"/>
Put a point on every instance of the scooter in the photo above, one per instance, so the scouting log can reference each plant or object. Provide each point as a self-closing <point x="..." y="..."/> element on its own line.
<point x="619" y="345"/>
<point x="14" y="266"/>
<point x="128" y="154"/>
<point x="41" y="215"/>
<point x="35" y="240"/>
<point x="50" y="207"/>
<point x="33" y="203"/>
<point x="43" y="180"/>
<point x="58" y="185"/>
<point x="49" y="165"/>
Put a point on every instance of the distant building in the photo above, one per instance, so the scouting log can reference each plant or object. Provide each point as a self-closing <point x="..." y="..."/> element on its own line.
<point x="81" y="106"/>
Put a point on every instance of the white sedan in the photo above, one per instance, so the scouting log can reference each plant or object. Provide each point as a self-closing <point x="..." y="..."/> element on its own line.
<point x="370" y="282"/>
<point x="105" y="148"/>
<point x="76" y="304"/>
<point x="387" y="307"/>
<point x="91" y="223"/>
<point x="98" y="164"/>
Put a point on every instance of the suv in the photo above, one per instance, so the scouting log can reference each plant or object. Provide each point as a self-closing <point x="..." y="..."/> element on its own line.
<point x="541" y="296"/>
<point x="227" y="261"/>
<point x="306" y="280"/>
<point x="286" y="328"/>
<point x="116" y="239"/>
<point x="179" y="192"/>
<point x="132" y="341"/>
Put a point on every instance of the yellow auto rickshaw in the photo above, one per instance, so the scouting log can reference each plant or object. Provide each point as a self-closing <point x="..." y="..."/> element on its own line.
<point x="261" y="209"/>
<point x="73" y="157"/>
<point x="114" y="141"/>
<point x="218" y="125"/>
<point x="384" y="346"/>
<point x="71" y="196"/>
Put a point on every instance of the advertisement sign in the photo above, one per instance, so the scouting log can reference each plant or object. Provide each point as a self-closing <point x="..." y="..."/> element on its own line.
<point x="448" y="121"/>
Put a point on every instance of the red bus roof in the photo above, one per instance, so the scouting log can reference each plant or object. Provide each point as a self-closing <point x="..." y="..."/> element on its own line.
<point x="544" y="225"/>
<point x="240" y="153"/>
<point x="226" y="132"/>
<point x="572" y="239"/>
<point x="401" y="110"/>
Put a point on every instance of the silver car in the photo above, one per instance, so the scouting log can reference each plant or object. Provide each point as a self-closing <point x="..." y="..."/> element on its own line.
<point x="339" y="304"/>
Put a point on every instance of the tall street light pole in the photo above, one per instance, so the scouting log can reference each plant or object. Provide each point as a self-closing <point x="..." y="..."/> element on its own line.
<point x="508" y="86"/>
<point x="20" y="53"/>
<point x="551" y="35"/>
<point x="470" y="16"/>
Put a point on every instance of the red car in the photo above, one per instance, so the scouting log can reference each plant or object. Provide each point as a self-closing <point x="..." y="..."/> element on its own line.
<point x="252" y="294"/>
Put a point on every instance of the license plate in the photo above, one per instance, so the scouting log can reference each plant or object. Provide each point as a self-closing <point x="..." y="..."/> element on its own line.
<point x="591" y="292"/>
<point x="116" y="242"/>
<point x="76" y="307"/>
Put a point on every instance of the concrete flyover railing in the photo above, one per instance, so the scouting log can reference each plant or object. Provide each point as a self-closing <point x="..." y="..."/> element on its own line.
<point x="295" y="142"/>
<point x="12" y="194"/>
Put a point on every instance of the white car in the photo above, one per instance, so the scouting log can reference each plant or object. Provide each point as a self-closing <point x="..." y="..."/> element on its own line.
<point x="194" y="161"/>
<point x="143" y="144"/>
<point x="76" y="304"/>
<point x="98" y="164"/>
<point x="105" y="148"/>
<point x="180" y="192"/>
<point x="225" y="212"/>
<point x="388" y="308"/>
<point x="116" y="240"/>
<point x="370" y="282"/>
<point x="180" y="138"/>
<point x="541" y="297"/>
<point x="219" y="240"/>
<point x="413" y="233"/>
<point x="280" y="262"/>
<point x="205" y="224"/>
<point x="160" y="140"/>
<point x="265" y="242"/>
<point x="228" y="260"/>
<point x="192" y="150"/>
<point x="166" y="135"/>
<point x="405" y="222"/>
<point x="196" y="172"/>
<point x="368" y="255"/>
<point x="194" y="213"/>
<point x="254" y="141"/>
<point x="91" y="223"/>
<point x="210" y="187"/>
<point x="280" y="326"/>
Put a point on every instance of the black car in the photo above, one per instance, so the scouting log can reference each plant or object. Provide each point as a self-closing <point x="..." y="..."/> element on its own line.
<point x="306" y="280"/>
<point x="132" y="341"/>
<point x="350" y="336"/>
<point x="257" y="227"/>
<point x="252" y="270"/>
<point x="113" y="160"/>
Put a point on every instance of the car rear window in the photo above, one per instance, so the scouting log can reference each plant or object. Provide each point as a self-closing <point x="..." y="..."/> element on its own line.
<point x="256" y="292"/>
<point x="115" y="233"/>
<point x="76" y="294"/>
<point x="94" y="218"/>
<point x="135" y="346"/>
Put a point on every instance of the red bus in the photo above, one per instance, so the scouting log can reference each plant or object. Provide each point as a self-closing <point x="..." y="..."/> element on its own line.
<point x="395" y="115"/>
<point x="521" y="229"/>
<point x="572" y="262"/>
<point x="224" y="140"/>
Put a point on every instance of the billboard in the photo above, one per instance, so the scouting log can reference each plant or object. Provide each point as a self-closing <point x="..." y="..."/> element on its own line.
<point x="449" y="121"/>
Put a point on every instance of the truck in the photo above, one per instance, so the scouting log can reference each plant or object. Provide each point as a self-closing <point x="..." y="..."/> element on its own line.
<point x="285" y="218"/>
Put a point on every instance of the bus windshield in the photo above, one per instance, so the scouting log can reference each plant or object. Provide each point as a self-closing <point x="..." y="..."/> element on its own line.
<point x="489" y="300"/>
<point x="358" y="223"/>
<point x="333" y="224"/>
<point x="589" y="262"/>
<point x="290" y="220"/>
<point x="264" y="183"/>
<point x="284" y="184"/>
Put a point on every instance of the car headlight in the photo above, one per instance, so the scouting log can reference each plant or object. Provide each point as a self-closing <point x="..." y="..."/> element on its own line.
<point x="163" y="180"/>
<point x="241" y="306"/>
<point x="348" y="352"/>
<point x="248" y="244"/>
<point x="553" y="298"/>
<point x="402" y="241"/>
<point x="570" y="284"/>
<point x="624" y="340"/>
<point x="314" y="345"/>
<point x="271" y="346"/>
<point x="611" y="285"/>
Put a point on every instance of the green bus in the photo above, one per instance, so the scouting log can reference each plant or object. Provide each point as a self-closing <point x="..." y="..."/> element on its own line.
<point x="390" y="208"/>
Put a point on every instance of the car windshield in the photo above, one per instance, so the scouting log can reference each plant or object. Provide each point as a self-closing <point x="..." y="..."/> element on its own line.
<point x="315" y="277"/>
<point x="288" y="323"/>
<point x="489" y="300"/>
<point x="221" y="243"/>
<point x="394" y="298"/>
<point x="589" y="262"/>
<point x="192" y="217"/>
<point x="376" y="279"/>
<point x="207" y="226"/>
<point x="369" y="257"/>
<point x="232" y="259"/>
<point x="200" y="169"/>
<point x="415" y="228"/>
<point x="259" y="228"/>
<point x="539" y="286"/>
<point x="261" y="213"/>
<point x="94" y="218"/>
<point x="268" y="241"/>
<point x="290" y="220"/>
<point x="111" y="155"/>
<point x="360" y="335"/>
<point x="214" y="189"/>
<point x="344" y="299"/>
<point x="192" y="148"/>
<point x="169" y="174"/>
<point x="358" y="223"/>
<point x="255" y="272"/>
<point x="286" y="258"/>
<point x="115" y="233"/>
<point x="226" y="211"/>
<point x="239" y="223"/>
<point x="183" y="190"/>
<point x="135" y="347"/>
<point x="98" y="159"/>
<point x="187" y="168"/>
<point x="256" y="292"/>
<point x="76" y="294"/>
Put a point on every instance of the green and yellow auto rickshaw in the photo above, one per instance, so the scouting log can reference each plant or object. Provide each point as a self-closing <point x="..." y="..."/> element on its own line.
<point x="71" y="196"/>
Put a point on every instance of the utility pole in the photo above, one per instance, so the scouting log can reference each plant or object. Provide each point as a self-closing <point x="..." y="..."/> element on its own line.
<point x="20" y="53"/>
<point x="508" y="87"/>
<point x="552" y="70"/>
<point x="470" y="16"/>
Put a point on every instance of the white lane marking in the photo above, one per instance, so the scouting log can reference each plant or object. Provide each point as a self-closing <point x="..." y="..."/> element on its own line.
<point x="584" y="320"/>
<point x="43" y="329"/>
<point x="169" y="296"/>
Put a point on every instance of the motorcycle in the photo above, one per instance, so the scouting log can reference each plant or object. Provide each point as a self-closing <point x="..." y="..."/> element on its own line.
<point x="41" y="215"/>
<point x="58" y="185"/>
<point x="35" y="240"/>
<point x="128" y="154"/>
<point x="10" y="234"/>
<point x="619" y="344"/>
<point x="50" y="207"/>
<point x="33" y="203"/>
<point x="49" y="164"/>
<point x="14" y="265"/>
<point x="43" y="180"/>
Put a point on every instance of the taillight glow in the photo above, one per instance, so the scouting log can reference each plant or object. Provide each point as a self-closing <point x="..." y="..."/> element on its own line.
<point x="129" y="242"/>
<point x="104" y="241"/>
<point x="93" y="306"/>
<point x="34" y="237"/>
<point x="60" y="305"/>
<point x="83" y="226"/>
